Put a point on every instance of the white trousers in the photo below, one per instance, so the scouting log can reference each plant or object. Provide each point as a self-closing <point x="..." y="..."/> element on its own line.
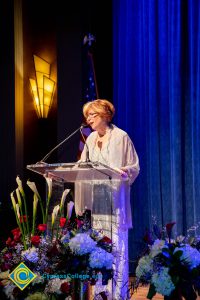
<point x="117" y="288"/>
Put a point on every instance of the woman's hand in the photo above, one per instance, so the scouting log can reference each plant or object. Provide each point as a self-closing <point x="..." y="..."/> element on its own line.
<point x="123" y="172"/>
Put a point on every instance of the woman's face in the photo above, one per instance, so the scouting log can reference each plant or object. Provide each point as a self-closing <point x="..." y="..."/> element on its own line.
<point x="95" y="121"/>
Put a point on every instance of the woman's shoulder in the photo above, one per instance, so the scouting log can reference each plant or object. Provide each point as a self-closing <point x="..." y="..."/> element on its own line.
<point x="118" y="131"/>
<point x="91" y="136"/>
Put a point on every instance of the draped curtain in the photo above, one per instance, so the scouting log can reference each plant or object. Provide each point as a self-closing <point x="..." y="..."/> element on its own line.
<point x="156" y="88"/>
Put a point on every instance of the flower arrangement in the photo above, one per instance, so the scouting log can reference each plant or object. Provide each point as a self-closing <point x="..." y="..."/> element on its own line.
<point x="62" y="250"/>
<point x="171" y="267"/>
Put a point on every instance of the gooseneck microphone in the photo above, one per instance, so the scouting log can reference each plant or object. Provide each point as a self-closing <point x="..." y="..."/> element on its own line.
<point x="66" y="139"/>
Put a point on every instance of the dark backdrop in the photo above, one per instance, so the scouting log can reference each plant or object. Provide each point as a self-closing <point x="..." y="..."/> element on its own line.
<point x="58" y="28"/>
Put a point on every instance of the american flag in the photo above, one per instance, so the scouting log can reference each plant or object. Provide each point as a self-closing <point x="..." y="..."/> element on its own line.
<point x="90" y="90"/>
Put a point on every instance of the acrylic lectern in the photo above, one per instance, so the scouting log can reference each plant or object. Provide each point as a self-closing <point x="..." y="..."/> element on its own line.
<point x="106" y="194"/>
<point x="97" y="187"/>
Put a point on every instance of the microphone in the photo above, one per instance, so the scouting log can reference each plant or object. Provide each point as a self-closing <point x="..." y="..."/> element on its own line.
<point x="66" y="139"/>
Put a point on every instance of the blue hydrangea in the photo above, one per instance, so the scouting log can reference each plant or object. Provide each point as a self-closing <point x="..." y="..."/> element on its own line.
<point x="190" y="255"/>
<point x="100" y="258"/>
<point x="31" y="255"/>
<point x="162" y="282"/>
<point x="82" y="244"/>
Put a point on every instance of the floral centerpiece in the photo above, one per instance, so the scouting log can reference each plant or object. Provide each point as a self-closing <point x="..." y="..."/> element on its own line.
<point x="64" y="253"/>
<point x="171" y="267"/>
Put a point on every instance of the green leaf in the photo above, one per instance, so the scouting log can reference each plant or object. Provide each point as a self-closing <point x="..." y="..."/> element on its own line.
<point x="178" y="253"/>
<point x="151" y="292"/>
<point x="165" y="249"/>
<point x="175" y="280"/>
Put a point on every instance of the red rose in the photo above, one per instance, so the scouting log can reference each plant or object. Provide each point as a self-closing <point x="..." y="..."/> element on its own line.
<point x="23" y="219"/>
<point x="62" y="222"/>
<point x="42" y="227"/>
<point x="35" y="240"/>
<point x="15" y="231"/>
<point x="17" y="237"/>
<point x="65" y="287"/>
<point x="9" y="242"/>
<point x="13" y="243"/>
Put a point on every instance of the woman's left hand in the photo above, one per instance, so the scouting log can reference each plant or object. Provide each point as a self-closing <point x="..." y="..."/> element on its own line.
<point x="123" y="172"/>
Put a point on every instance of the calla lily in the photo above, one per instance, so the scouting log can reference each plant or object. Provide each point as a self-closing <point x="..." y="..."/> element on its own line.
<point x="33" y="187"/>
<point x="55" y="213"/>
<point x="17" y="210"/>
<point x="13" y="201"/>
<point x="62" y="202"/>
<point x="19" y="183"/>
<point x="19" y="197"/>
<point x="169" y="227"/>
<point x="35" y="203"/>
<point x="49" y="183"/>
<point x="25" y="227"/>
<point x="54" y="216"/>
<point x="19" y="192"/>
<point x="17" y="214"/>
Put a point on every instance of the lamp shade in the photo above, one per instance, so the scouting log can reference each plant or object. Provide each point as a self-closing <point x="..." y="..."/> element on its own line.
<point x="42" y="87"/>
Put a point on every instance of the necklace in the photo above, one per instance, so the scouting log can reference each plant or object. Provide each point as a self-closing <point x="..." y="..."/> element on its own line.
<point x="102" y="139"/>
<point x="101" y="154"/>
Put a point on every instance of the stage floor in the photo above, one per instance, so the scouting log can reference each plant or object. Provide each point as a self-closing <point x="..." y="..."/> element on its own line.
<point x="142" y="293"/>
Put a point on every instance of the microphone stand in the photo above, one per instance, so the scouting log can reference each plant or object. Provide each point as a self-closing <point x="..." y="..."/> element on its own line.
<point x="57" y="146"/>
<point x="87" y="162"/>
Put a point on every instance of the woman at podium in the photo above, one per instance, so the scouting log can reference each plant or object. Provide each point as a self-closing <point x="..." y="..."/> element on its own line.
<point x="110" y="201"/>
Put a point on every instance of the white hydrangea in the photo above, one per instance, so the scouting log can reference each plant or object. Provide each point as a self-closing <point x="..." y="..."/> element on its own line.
<point x="162" y="282"/>
<point x="100" y="258"/>
<point x="82" y="244"/>
<point x="31" y="255"/>
<point x="54" y="285"/>
<point x="8" y="290"/>
<point x="144" y="267"/>
<point x="157" y="247"/>
<point x="190" y="255"/>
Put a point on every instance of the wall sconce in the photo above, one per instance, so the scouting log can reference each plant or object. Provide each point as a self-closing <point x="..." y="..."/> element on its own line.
<point x="43" y="87"/>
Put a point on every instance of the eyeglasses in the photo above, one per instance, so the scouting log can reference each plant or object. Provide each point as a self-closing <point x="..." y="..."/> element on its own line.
<point x="92" y="115"/>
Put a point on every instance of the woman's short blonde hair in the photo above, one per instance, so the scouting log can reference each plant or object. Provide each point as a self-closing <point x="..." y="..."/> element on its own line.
<point x="101" y="106"/>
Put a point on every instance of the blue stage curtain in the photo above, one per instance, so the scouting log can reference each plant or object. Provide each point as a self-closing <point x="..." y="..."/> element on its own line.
<point x="156" y="88"/>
